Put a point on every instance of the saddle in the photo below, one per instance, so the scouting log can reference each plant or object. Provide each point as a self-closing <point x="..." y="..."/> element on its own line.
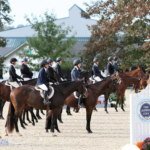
<point x="50" y="91"/>
<point x="12" y="85"/>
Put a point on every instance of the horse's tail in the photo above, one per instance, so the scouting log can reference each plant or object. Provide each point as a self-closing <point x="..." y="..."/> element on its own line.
<point x="10" y="118"/>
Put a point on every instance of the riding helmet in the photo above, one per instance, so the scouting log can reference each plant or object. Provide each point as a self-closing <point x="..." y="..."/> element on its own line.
<point x="43" y="62"/>
<point x="76" y="62"/>
<point x="95" y="60"/>
<point x="58" y="59"/>
<point x="110" y="58"/>
<point x="13" y="60"/>
<point x="50" y="60"/>
<point x="115" y="58"/>
<point x="24" y="59"/>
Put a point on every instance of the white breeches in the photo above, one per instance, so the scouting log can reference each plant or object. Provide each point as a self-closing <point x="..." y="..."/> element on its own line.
<point x="43" y="87"/>
<point x="26" y="79"/>
<point x="97" y="79"/>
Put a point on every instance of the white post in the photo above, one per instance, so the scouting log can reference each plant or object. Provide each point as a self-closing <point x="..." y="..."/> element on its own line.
<point x="131" y="119"/>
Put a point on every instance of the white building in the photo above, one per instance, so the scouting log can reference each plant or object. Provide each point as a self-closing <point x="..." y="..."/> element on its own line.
<point x="17" y="37"/>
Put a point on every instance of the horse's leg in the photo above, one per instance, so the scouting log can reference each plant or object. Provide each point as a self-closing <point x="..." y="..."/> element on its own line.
<point x="2" y="103"/>
<point x="60" y="116"/>
<point x="37" y="114"/>
<point x="68" y="111"/>
<point x="106" y="101"/>
<point x="53" y="121"/>
<point x="48" y="120"/>
<point x="42" y="112"/>
<point x="118" y="96"/>
<point x="122" y="96"/>
<point x="6" y="131"/>
<point x="16" y="125"/>
<point x="24" y="112"/>
<point x="21" y="122"/>
<point x="33" y="115"/>
<point x="28" y="116"/>
<point x="88" y="118"/>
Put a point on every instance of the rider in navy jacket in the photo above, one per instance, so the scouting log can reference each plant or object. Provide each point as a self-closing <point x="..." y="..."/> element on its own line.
<point x="95" y="69"/>
<point x="75" y="74"/>
<point x="42" y="80"/>
<point x="58" y="67"/>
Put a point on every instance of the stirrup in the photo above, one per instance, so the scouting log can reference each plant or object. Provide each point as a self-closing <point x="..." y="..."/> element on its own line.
<point x="46" y="102"/>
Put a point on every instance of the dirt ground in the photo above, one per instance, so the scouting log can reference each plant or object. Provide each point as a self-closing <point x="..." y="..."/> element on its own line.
<point x="110" y="132"/>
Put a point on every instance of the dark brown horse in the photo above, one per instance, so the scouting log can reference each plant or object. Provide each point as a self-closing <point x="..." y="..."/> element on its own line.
<point x="5" y="95"/>
<point x="94" y="91"/>
<point x="28" y="95"/>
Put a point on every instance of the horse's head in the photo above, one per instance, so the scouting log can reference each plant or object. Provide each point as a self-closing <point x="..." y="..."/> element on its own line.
<point x="81" y="88"/>
<point x="85" y="75"/>
<point x="117" y="77"/>
<point x="140" y="73"/>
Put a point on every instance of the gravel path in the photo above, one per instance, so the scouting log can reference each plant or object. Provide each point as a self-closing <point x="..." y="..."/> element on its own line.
<point x="110" y="132"/>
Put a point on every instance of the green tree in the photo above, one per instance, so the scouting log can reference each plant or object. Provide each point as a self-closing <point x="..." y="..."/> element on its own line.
<point x="50" y="40"/>
<point x="5" y="18"/>
<point x="126" y="20"/>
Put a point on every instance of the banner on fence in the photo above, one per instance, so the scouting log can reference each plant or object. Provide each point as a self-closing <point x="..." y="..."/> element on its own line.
<point x="140" y="116"/>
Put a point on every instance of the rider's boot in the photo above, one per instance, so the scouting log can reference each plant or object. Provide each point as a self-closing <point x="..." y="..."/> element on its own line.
<point x="45" y="98"/>
<point x="80" y="101"/>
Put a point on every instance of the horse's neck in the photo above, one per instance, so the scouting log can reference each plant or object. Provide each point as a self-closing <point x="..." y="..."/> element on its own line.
<point x="70" y="88"/>
<point x="129" y="80"/>
<point x="101" y="87"/>
<point x="132" y="73"/>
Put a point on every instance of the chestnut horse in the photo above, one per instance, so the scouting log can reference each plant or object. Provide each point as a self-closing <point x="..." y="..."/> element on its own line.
<point x="94" y="91"/>
<point x="28" y="95"/>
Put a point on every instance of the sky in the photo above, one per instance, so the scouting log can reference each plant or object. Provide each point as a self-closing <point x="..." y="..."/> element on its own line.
<point x="20" y="8"/>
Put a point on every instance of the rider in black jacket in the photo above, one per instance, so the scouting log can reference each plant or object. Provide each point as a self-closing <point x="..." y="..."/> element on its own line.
<point x="110" y="67"/>
<point x="50" y="72"/>
<point x="25" y="71"/>
<point x="12" y="71"/>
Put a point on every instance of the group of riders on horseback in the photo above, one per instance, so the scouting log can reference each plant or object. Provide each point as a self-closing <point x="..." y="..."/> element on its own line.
<point x="47" y="73"/>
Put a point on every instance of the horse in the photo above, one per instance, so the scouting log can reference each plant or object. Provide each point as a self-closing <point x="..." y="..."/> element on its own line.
<point x="94" y="91"/>
<point x="5" y="96"/>
<point x="29" y="95"/>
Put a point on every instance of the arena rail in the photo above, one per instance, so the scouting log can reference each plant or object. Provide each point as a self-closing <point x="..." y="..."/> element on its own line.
<point x="140" y="116"/>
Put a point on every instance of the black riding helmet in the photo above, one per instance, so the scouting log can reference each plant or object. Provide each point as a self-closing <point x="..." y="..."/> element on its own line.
<point x="76" y="62"/>
<point x="50" y="60"/>
<point x="110" y="58"/>
<point x="12" y="60"/>
<point x="43" y="62"/>
<point x="58" y="59"/>
<point x="24" y="59"/>
<point x="95" y="60"/>
<point x="115" y="58"/>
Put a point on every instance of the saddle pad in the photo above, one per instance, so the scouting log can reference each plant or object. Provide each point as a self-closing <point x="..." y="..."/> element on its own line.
<point x="97" y="79"/>
<point x="42" y="95"/>
<point x="75" y="95"/>
<point x="9" y="86"/>
<point x="92" y="80"/>
<point x="14" y="84"/>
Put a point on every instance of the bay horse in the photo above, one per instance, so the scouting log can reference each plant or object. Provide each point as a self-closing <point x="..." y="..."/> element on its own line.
<point x="94" y="91"/>
<point x="5" y="96"/>
<point x="29" y="95"/>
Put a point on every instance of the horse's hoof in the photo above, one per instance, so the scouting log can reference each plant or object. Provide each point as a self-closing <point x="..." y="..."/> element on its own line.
<point x="58" y="131"/>
<point x="47" y="131"/>
<point x="19" y="134"/>
<point x="123" y="109"/>
<point x="90" y="131"/>
<point x="39" y="117"/>
<point x="54" y="135"/>
<point x="25" y="124"/>
<point x="6" y="135"/>
<point x="29" y="121"/>
<point x="33" y="124"/>
<point x="60" y="121"/>
<point x="1" y="117"/>
<point x="107" y="112"/>
<point x="37" y="121"/>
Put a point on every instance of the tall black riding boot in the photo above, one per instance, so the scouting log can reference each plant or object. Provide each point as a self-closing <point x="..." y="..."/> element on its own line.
<point x="45" y="100"/>
<point x="80" y="101"/>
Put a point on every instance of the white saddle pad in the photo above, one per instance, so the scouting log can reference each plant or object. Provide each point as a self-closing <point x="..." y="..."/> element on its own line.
<point x="98" y="79"/>
<point x="42" y="95"/>
<point x="14" y="84"/>
<point x="92" y="80"/>
<point x="75" y="95"/>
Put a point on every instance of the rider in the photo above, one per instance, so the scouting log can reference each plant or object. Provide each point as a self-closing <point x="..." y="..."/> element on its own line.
<point x="96" y="72"/>
<point x="75" y="74"/>
<point x="12" y="72"/>
<point x="42" y="80"/>
<point x="25" y="71"/>
<point x="50" y="71"/>
<point x="58" y="68"/>
<point x="115" y="64"/>
<point x="110" y="67"/>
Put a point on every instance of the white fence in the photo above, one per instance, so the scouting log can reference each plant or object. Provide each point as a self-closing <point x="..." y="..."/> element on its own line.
<point x="140" y="116"/>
